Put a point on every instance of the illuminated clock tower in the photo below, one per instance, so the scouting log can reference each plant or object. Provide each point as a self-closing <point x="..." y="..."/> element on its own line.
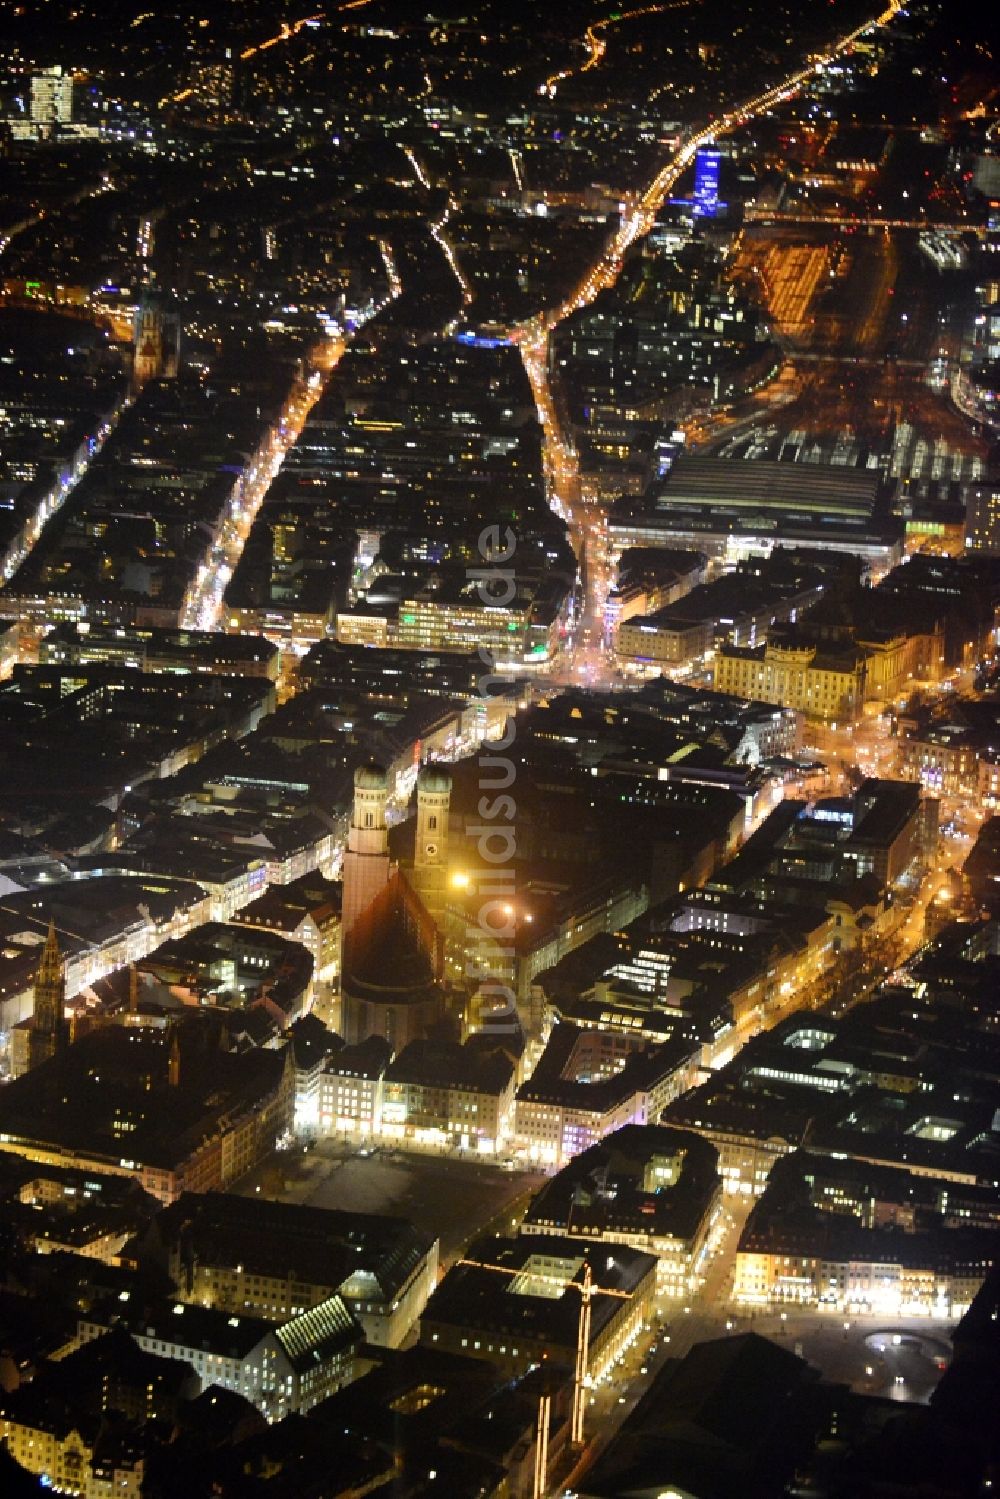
<point x="48" y="1021"/>
<point x="430" y="849"/>
<point x="366" y="862"/>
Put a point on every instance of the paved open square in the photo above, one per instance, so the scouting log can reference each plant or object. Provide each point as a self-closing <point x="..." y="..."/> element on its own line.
<point x="451" y="1197"/>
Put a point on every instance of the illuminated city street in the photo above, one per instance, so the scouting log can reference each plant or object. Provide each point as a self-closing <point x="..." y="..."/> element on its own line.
<point x="204" y="605"/>
<point x="533" y="340"/>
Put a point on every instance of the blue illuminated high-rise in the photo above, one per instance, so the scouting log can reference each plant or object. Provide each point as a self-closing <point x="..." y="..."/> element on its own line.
<point x="706" y="183"/>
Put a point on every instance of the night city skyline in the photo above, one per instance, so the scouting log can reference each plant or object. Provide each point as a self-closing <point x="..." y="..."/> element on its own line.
<point x="499" y="749"/>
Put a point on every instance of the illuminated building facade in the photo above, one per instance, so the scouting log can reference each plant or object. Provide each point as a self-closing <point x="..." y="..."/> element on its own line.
<point x="47" y="1035"/>
<point x="817" y="683"/>
<point x="277" y="1260"/>
<point x="516" y="1302"/>
<point x="51" y="99"/>
<point x="982" y="517"/>
<point x="352" y="1087"/>
<point x="281" y="1368"/>
<point x="446" y="1094"/>
<point x="865" y="1239"/>
<point x="706" y="183"/>
<point x="430" y="851"/>
<point x="649" y="1187"/>
<point x="589" y="1083"/>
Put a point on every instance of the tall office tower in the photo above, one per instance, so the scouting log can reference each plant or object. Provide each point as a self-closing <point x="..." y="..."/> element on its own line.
<point x="430" y="849"/>
<point x="48" y="1022"/>
<point x="366" y="862"/>
<point x="706" y="183"/>
<point x="51" y="98"/>
<point x="982" y="517"/>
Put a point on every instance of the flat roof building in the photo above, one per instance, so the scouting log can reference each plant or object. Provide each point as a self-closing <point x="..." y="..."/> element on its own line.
<point x="734" y="508"/>
<point x="650" y="1187"/>
<point x="588" y="1083"/>
<point x="516" y="1302"/>
<point x="443" y="1092"/>
<point x="281" y="1368"/>
<point x="851" y="1236"/>
<point x="276" y="1260"/>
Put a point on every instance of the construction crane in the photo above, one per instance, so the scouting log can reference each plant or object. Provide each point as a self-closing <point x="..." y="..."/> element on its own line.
<point x="586" y="1290"/>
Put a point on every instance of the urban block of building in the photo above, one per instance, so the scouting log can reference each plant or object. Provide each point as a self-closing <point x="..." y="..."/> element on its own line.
<point x="589" y="1083"/>
<point x="517" y="1302"/>
<point x="167" y="1106"/>
<point x="439" y="1092"/>
<point x="731" y="510"/>
<point x="281" y="1368"/>
<point x="647" y="1186"/>
<point x="865" y="1239"/>
<point x="274" y="1260"/>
